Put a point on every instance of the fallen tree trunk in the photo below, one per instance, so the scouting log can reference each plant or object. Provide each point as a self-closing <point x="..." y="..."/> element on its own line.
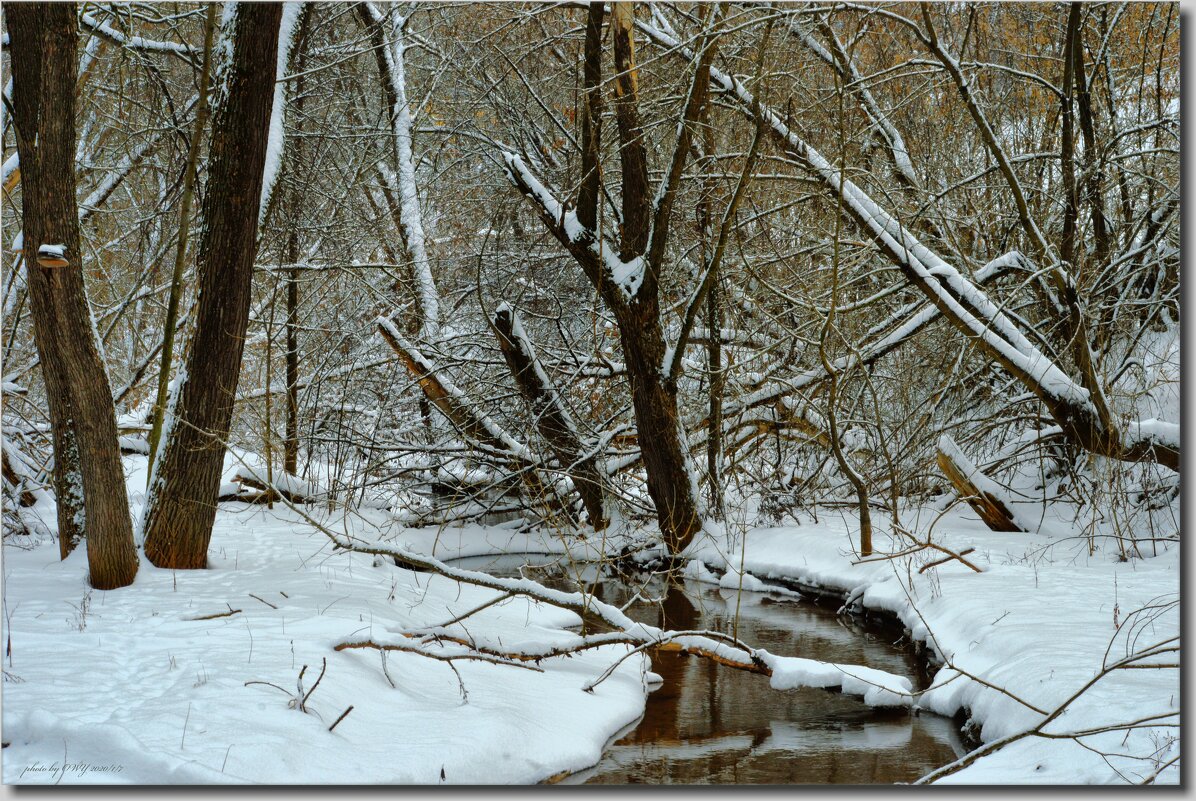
<point x="552" y="419"/>
<point x="984" y="495"/>
<point x="456" y="408"/>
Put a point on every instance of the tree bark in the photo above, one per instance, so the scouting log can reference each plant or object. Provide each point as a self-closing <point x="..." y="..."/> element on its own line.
<point x="636" y="200"/>
<point x="178" y="523"/>
<point x="176" y="280"/>
<point x="458" y="410"/>
<point x="665" y="452"/>
<point x="552" y="420"/>
<point x="662" y="441"/>
<point x="978" y="490"/>
<point x="89" y="480"/>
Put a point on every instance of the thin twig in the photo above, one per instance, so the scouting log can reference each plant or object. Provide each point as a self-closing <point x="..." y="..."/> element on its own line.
<point x="342" y="717"/>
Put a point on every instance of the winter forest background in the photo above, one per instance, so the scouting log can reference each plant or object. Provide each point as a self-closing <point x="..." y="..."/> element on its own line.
<point x="429" y="358"/>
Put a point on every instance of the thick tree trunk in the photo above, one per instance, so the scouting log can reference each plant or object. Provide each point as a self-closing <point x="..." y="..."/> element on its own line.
<point x="635" y="301"/>
<point x="662" y="441"/>
<point x="552" y="420"/>
<point x="89" y="480"/>
<point x="178" y="523"/>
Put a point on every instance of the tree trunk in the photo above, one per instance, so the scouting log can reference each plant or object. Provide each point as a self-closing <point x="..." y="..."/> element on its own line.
<point x="981" y="493"/>
<point x="290" y="448"/>
<point x="552" y="420"/>
<point x="180" y="256"/>
<point x="662" y="441"/>
<point x="89" y="480"/>
<point x="458" y="409"/>
<point x="178" y="523"/>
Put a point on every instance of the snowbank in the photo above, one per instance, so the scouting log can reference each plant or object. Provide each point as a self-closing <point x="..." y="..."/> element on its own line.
<point x="1019" y="640"/>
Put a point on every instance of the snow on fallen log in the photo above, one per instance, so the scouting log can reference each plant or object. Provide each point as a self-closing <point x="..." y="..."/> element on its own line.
<point x="458" y="409"/>
<point x="986" y="497"/>
<point x="17" y="474"/>
<point x="875" y="687"/>
<point x="285" y="485"/>
<point x="553" y="420"/>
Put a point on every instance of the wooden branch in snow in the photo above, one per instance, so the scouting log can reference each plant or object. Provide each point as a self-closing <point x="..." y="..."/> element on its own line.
<point x="458" y="410"/>
<point x="983" y="494"/>
<point x="25" y="496"/>
<point x="876" y="687"/>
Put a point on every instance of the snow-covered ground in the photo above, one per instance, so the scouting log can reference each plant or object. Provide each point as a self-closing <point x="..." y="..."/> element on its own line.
<point x="1020" y="639"/>
<point x="136" y="679"/>
<point x="151" y="679"/>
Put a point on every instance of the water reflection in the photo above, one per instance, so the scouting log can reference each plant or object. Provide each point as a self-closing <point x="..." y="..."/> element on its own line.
<point x="709" y="724"/>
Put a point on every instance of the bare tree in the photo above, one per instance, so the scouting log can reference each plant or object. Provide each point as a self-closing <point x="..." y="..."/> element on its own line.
<point x="89" y="481"/>
<point x="180" y="508"/>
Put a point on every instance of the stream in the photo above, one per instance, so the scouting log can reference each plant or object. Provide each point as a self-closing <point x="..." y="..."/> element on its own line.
<point x="709" y="724"/>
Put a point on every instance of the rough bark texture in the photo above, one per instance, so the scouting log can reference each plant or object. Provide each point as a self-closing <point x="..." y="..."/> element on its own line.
<point x="552" y="420"/>
<point x="178" y="523"/>
<point x="89" y="482"/>
<point x="665" y="452"/>
<point x="636" y="194"/>
<point x="290" y="448"/>
<point x="591" y="120"/>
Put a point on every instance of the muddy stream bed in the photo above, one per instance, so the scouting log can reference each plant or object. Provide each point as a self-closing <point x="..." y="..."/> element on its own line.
<point x="709" y="724"/>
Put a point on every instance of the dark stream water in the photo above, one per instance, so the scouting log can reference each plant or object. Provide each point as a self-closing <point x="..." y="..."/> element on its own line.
<point x="709" y="724"/>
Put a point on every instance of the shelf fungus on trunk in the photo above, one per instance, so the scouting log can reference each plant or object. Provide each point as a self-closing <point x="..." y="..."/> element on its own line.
<point x="52" y="256"/>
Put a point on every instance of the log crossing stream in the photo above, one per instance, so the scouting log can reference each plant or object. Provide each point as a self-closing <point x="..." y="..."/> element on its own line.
<point x="708" y="724"/>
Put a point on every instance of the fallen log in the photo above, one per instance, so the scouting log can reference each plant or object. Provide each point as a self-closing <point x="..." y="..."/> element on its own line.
<point x="984" y="495"/>
<point x="552" y="420"/>
<point x="455" y="406"/>
<point x="24" y="495"/>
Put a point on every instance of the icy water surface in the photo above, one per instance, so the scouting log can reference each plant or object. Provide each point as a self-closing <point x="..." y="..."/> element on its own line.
<point x="709" y="724"/>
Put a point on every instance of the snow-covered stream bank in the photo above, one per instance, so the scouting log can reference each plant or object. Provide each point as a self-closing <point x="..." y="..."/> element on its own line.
<point x="1020" y="640"/>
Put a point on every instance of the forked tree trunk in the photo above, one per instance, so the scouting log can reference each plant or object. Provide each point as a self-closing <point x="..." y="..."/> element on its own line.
<point x="552" y="420"/>
<point x="89" y="481"/>
<point x="642" y="249"/>
<point x="178" y="523"/>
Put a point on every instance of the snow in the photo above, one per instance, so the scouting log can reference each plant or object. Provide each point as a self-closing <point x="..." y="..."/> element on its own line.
<point x="136" y="42"/>
<point x="1038" y="624"/>
<point x="10" y="166"/>
<point x="628" y="276"/>
<point x="276" y="143"/>
<point x="877" y="687"/>
<point x="408" y="189"/>
<point x="173" y="706"/>
<point x="1159" y="431"/>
